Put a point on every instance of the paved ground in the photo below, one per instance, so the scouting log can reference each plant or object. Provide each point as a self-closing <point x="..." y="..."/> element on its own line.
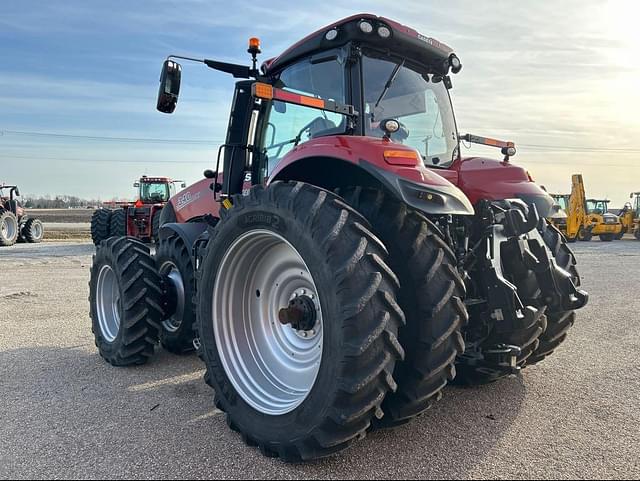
<point x="65" y="413"/>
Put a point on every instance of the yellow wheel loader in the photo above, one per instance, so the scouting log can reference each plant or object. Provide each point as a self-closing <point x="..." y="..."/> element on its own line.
<point x="584" y="218"/>
<point x="607" y="226"/>
<point x="630" y="217"/>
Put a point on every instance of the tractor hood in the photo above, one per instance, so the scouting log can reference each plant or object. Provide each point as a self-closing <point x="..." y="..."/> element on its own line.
<point x="482" y="178"/>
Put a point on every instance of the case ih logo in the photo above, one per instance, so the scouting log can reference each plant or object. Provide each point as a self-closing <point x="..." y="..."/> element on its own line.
<point x="186" y="199"/>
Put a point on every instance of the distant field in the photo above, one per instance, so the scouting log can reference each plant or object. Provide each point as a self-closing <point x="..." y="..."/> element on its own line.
<point x="62" y="215"/>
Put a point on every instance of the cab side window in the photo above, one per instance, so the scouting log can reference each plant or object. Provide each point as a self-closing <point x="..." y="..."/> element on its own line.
<point x="290" y="125"/>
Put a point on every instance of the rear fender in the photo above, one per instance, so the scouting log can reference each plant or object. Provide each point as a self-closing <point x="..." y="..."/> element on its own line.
<point x="195" y="202"/>
<point x="189" y="233"/>
<point x="340" y="161"/>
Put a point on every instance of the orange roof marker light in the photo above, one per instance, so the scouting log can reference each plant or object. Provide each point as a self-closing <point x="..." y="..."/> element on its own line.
<point x="263" y="91"/>
<point x="266" y="91"/>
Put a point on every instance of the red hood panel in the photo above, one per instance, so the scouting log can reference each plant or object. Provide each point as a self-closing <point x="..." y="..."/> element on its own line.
<point x="481" y="178"/>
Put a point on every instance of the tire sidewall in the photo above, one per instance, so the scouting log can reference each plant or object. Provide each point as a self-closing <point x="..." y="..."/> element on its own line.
<point x="169" y="252"/>
<point x="8" y="217"/>
<point x="105" y="256"/>
<point x="298" y="422"/>
<point x="31" y="231"/>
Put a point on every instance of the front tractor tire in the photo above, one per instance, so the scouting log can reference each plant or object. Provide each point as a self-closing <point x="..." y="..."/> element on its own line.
<point x="298" y="321"/>
<point x="431" y="296"/>
<point x="126" y="301"/>
<point x="101" y="225"/>
<point x="173" y="260"/>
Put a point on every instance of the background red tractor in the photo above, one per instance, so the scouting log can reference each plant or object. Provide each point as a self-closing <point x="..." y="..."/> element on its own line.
<point x="140" y="219"/>
<point x="350" y="263"/>
<point x="15" y="224"/>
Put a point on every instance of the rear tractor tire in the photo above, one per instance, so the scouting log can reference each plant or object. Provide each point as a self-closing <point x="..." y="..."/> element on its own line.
<point x="126" y="301"/>
<point x="9" y="230"/>
<point x="155" y="227"/>
<point x="431" y="296"/>
<point x="33" y="231"/>
<point x="101" y="225"/>
<point x="295" y="288"/>
<point x="173" y="260"/>
<point x="118" y="223"/>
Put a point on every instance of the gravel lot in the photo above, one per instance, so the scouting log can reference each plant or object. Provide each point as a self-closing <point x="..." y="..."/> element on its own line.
<point x="66" y="414"/>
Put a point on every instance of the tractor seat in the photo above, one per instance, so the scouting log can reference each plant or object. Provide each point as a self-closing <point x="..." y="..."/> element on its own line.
<point x="322" y="127"/>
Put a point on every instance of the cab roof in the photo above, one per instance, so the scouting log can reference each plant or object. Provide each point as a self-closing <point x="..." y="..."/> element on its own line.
<point x="155" y="180"/>
<point x="403" y="40"/>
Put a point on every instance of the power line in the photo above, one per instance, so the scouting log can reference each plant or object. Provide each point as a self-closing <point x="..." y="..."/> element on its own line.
<point x="110" y="139"/>
<point x="107" y="161"/>
<point x="217" y="141"/>
<point x="568" y="148"/>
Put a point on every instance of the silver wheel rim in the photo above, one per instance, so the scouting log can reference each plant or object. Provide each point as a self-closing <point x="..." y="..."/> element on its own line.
<point x="8" y="229"/>
<point x="108" y="303"/>
<point x="171" y="274"/>
<point x="272" y="366"/>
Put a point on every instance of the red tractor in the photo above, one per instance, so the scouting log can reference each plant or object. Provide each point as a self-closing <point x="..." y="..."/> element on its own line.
<point x="140" y="219"/>
<point x="15" y="224"/>
<point x="345" y="262"/>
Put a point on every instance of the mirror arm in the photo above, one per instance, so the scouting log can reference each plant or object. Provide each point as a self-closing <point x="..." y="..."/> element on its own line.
<point x="238" y="71"/>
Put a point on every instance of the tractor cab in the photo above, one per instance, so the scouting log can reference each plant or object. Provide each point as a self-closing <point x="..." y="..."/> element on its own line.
<point x="600" y="208"/>
<point x="8" y="200"/>
<point x="156" y="190"/>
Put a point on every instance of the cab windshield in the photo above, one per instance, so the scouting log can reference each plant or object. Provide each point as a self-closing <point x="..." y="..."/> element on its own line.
<point x="561" y="200"/>
<point x="419" y="101"/>
<point x="150" y="192"/>
<point x="598" y="207"/>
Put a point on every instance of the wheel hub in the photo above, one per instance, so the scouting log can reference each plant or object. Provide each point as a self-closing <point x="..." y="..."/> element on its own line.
<point x="301" y="313"/>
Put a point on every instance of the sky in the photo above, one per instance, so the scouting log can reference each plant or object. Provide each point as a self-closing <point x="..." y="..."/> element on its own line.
<point x="79" y="81"/>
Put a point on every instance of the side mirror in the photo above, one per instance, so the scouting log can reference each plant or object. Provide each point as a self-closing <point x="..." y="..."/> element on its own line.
<point x="17" y="192"/>
<point x="169" y="87"/>
<point x="137" y="185"/>
<point x="183" y="185"/>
